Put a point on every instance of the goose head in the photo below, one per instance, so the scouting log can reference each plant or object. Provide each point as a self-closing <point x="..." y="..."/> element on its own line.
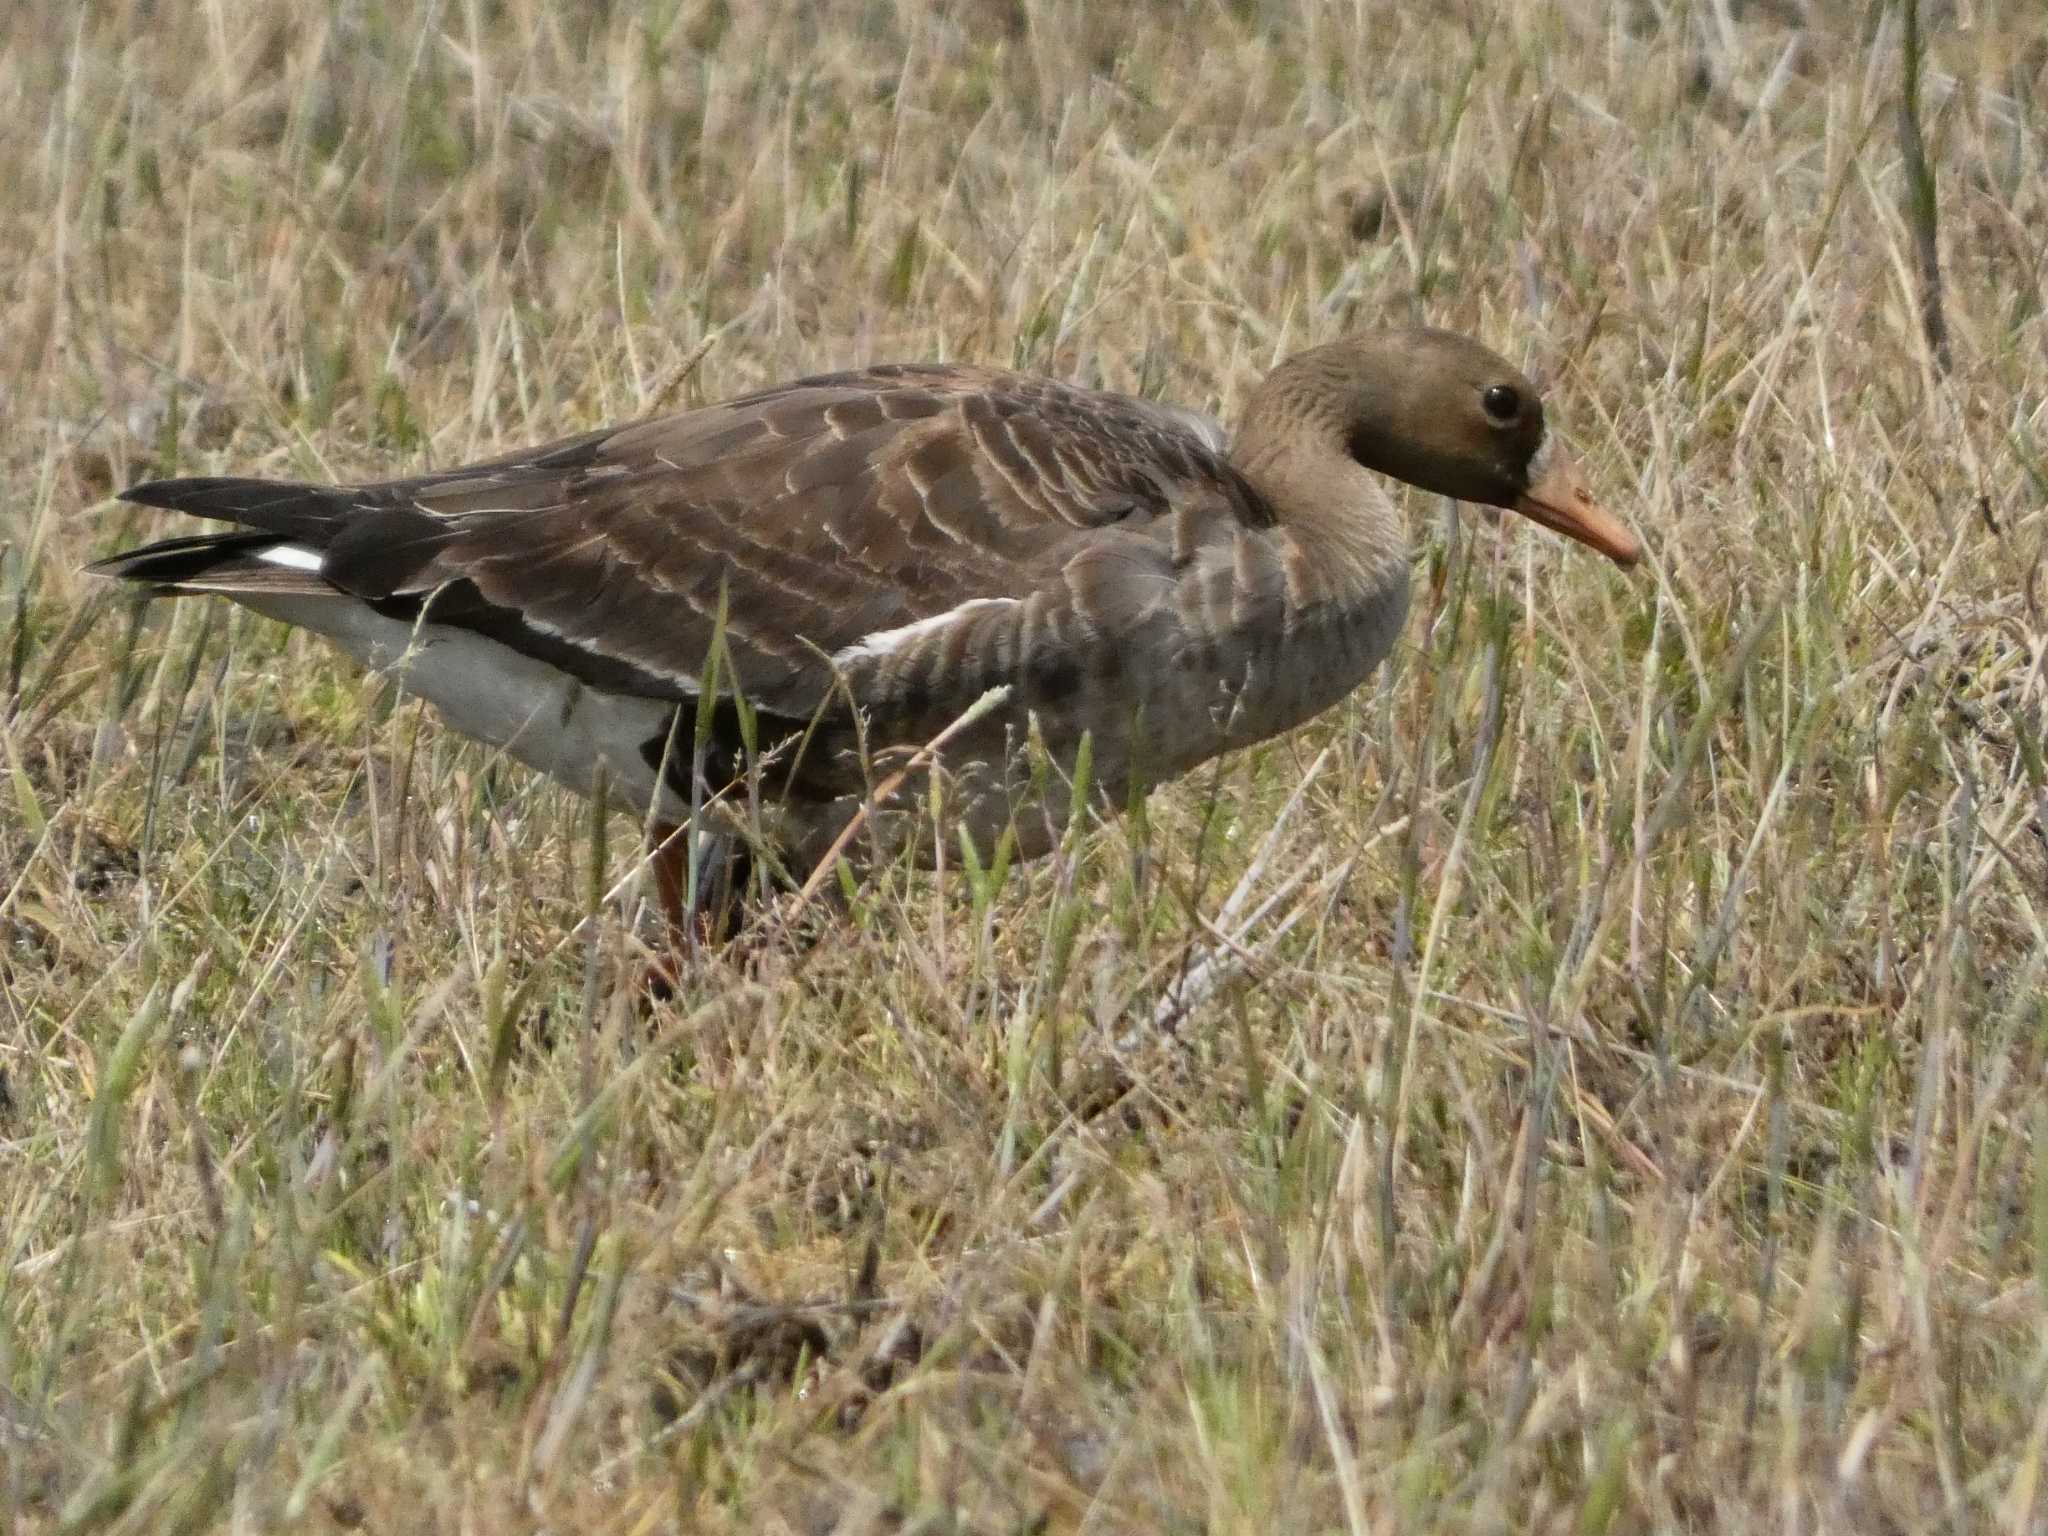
<point x="1432" y="408"/>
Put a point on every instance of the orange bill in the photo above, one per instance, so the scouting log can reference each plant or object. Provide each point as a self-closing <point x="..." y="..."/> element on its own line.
<point x="1559" y="499"/>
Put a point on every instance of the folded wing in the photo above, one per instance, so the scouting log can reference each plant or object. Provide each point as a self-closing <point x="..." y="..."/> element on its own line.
<point x="814" y="517"/>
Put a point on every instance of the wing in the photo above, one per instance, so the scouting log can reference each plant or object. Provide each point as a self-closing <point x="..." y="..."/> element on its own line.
<point x="816" y="516"/>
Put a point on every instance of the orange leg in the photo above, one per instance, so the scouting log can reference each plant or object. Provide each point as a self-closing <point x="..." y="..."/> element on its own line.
<point x="671" y="873"/>
<point x="671" y="862"/>
<point x="718" y="914"/>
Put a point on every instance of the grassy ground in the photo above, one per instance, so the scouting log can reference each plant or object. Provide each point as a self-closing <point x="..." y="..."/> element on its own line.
<point x="1609" y="1098"/>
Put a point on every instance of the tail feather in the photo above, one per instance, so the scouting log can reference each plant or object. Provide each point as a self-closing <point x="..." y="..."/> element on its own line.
<point x="212" y="562"/>
<point x="286" y="529"/>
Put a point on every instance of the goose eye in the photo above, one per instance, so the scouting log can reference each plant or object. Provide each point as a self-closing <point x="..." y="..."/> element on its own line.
<point x="1503" y="403"/>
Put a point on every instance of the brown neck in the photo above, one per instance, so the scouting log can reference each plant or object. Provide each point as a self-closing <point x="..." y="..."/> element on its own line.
<point x="1294" y="446"/>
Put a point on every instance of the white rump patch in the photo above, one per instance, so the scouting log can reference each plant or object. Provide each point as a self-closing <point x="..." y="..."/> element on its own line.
<point x="885" y="641"/>
<point x="293" y="557"/>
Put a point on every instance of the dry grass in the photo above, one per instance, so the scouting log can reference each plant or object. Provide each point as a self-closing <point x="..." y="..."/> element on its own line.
<point x="1611" y="1100"/>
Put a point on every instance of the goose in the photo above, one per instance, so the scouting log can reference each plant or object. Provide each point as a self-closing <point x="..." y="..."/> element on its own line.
<point x="868" y="554"/>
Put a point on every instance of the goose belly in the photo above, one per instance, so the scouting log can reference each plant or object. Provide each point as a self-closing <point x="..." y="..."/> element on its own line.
<point x="533" y="712"/>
